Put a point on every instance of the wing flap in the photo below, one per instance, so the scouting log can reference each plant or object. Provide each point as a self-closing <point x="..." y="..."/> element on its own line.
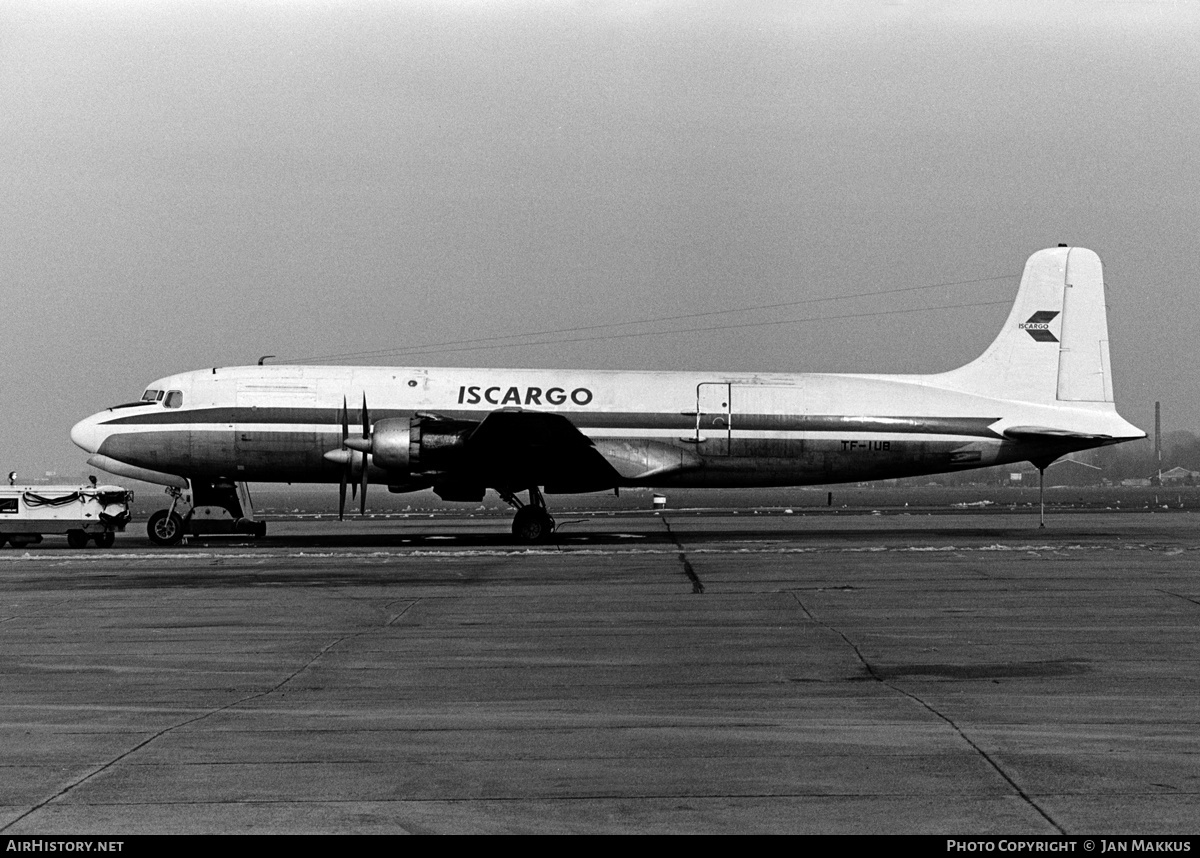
<point x="640" y="460"/>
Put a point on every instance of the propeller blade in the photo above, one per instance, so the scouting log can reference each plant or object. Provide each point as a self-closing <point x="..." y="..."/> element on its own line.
<point x="349" y="463"/>
<point x="363" y="444"/>
<point x="363" y="509"/>
<point x="366" y="420"/>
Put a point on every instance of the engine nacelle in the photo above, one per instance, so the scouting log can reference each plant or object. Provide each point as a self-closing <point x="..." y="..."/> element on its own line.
<point x="420" y="445"/>
<point x="391" y="443"/>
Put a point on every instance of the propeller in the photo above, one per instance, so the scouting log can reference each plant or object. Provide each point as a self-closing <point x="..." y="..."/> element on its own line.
<point x="363" y="445"/>
<point x="345" y="456"/>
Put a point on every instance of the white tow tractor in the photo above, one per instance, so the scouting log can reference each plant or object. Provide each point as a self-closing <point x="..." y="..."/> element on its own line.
<point x="84" y="513"/>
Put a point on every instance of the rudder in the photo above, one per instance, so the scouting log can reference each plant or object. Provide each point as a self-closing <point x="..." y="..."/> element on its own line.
<point x="1083" y="362"/>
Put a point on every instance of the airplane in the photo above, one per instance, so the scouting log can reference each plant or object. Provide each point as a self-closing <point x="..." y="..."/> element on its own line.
<point x="1041" y="390"/>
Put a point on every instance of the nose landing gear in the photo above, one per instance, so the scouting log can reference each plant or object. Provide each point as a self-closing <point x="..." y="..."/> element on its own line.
<point x="165" y="527"/>
<point x="216" y="507"/>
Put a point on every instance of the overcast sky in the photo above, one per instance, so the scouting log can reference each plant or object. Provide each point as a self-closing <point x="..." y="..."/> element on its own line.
<point x="188" y="184"/>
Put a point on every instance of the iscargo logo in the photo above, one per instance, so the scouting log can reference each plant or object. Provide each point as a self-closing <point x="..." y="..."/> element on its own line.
<point x="1038" y="326"/>
<point x="497" y="395"/>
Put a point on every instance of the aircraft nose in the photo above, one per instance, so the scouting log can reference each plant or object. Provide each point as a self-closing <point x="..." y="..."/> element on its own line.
<point x="87" y="433"/>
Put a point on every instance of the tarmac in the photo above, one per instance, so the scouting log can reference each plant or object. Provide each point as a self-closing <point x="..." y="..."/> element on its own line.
<point x="682" y="673"/>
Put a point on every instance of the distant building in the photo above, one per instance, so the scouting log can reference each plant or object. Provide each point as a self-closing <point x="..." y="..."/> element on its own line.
<point x="1064" y="472"/>
<point x="1180" y="476"/>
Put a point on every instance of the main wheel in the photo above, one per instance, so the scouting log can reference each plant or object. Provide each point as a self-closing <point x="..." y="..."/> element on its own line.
<point x="105" y="539"/>
<point x="77" y="539"/>
<point x="164" y="528"/>
<point x="532" y="524"/>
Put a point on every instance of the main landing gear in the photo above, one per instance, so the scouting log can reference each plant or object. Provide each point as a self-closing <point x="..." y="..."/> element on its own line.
<point x="533" y="522"/>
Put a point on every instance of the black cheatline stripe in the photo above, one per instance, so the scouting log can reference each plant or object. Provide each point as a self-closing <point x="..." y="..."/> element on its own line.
<point x="583" y="420"/>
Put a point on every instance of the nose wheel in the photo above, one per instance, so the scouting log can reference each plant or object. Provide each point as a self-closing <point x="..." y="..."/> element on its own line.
<point x="533" y="522"/>
<point x="165" y="528"/>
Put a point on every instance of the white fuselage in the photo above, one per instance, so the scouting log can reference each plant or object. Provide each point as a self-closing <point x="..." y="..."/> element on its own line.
<point x="277" y="423"/>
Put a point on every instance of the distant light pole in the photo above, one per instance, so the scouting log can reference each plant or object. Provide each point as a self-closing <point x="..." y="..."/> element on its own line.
<point x="1158" y="439"/>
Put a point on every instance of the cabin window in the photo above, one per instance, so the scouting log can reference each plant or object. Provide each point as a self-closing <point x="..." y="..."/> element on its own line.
<point x="152" y="396"/>
<point x="174" y="399"/>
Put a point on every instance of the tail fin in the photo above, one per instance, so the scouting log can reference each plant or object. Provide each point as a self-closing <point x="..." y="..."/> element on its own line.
<point x="1054" y="346"/>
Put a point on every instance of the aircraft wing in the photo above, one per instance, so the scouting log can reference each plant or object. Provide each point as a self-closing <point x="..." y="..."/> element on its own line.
<point x="517" y="448"/>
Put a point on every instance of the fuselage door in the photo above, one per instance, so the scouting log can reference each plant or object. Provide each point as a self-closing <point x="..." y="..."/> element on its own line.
<point x="714" y="418"/>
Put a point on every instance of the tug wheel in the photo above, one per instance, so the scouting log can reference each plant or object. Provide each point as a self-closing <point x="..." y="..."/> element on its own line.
<point x="165" y="528"/>
<point x="77" y="539"/>
<point x="105" y="539"/>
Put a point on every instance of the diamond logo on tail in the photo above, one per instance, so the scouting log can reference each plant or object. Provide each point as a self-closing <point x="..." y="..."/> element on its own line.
<point x="1038" y="326"/>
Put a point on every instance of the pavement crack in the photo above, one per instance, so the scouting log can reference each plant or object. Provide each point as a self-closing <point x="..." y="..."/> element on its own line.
<point x="984" y="755"/>
<point x="45" y="607"/>
<point x="130" y="751"/>
<point x="697" y="587"/>
<point x="411" y="604"/>
<point x="215" y="711"/>
<point x="1178" y="596"/>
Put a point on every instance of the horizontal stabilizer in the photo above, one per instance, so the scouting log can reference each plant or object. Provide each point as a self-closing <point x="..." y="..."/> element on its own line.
<point x="1025" y="433"/>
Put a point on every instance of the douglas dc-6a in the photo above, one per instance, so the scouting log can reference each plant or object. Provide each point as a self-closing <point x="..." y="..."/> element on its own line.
<point x="1041" y="390"/>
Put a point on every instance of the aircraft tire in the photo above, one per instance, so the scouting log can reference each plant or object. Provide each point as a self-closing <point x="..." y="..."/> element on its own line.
<point x="260" y="530"/>
<point x="105" y="539"/>
<point x="164" y="529"/>
<point x="77" y="539"/>
<point x="531" y="524"/>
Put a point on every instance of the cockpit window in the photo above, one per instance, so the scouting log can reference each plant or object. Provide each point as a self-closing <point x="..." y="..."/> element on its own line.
<point x="152" y="396"/>
<point x="174" y="399"/>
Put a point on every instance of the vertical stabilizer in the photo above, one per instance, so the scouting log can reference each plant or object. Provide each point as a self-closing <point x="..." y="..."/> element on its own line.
<point x="1054" y="345"/>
